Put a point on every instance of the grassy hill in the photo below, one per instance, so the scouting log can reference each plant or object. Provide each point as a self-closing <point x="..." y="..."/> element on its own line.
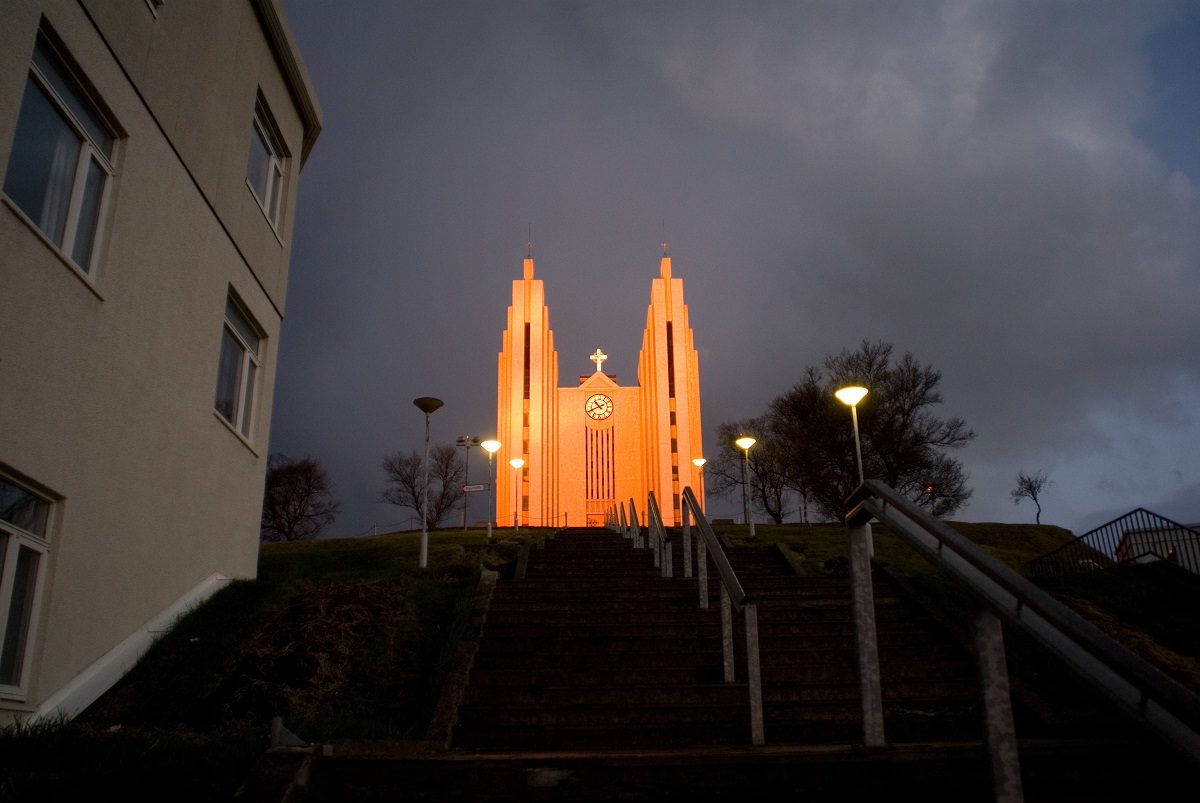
<point x="348" y="639"/>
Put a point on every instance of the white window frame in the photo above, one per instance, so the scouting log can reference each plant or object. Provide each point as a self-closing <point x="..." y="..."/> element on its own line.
<point x="271" y="198"/>
<point x="12" y="540"/>
<point x="89" y="153"/>
<point x="249" y="369"/>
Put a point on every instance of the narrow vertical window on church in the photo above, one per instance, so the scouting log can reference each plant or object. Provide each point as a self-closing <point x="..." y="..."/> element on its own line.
<point x="527" y="361"/>
<point x="670" y="361"/>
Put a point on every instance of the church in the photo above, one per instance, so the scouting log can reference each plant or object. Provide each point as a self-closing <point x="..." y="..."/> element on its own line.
<point x="597" y="443"/>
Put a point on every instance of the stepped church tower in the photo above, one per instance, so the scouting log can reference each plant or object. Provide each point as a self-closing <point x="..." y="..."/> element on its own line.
<point x="598" y="443"/>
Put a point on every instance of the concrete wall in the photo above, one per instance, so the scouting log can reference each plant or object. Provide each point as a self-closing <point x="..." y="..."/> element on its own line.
<point x="109" y="380"/>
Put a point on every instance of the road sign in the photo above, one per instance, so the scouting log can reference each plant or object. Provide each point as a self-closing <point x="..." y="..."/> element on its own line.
<point x="471" y="488"/>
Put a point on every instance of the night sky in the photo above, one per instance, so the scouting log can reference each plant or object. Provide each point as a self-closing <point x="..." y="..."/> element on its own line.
<point x="1007" y="190"/>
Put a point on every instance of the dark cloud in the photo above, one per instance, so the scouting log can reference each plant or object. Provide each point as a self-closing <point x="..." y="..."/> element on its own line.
<point x="997" y="188"/>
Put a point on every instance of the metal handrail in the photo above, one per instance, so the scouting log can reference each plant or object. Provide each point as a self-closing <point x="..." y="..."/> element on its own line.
<point x="737" y="595"/>
<point x="732" y="595"/>
<point x="659" y="537"/>
<point x="1140" y="689"/>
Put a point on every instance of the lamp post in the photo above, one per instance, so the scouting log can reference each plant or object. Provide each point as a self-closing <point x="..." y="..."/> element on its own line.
<point x="466" y="441"/>
<point x="516" y="463"/>
<point x="699" y="462"/>
<point x="852" y="396"/>
<point x="744" y="443"/>
<point x="427" y="405"/>
<point x="491" y="447"/>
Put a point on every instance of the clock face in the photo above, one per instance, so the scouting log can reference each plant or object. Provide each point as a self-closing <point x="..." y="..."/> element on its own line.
<point x="598" y="406"/>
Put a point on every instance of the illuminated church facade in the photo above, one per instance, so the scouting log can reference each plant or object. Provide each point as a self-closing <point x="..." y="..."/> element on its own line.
<point x="589" y="446"/>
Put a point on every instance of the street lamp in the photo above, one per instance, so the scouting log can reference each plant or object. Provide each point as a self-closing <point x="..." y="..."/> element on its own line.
<point x="852" y="396"/>
<point x="427" y="405"/>
<point x="466" y="441"/>
<point x="516" y="463"/>
<point x="699" y="462"/>
<point x="744" y="443"/>
<point x="491" y="448"/>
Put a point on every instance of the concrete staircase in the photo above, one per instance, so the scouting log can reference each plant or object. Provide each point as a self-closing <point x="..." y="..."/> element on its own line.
<point x="810" y="681"/>
<point x="594" y="649"/>
<point x="594" y="678"/>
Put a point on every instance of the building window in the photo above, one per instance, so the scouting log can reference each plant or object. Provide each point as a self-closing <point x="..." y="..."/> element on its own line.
<point x="23" y="549"/>
<point x="264" y="169"/>
<point x="237" y="376"/>
<point x="60" y="167"/>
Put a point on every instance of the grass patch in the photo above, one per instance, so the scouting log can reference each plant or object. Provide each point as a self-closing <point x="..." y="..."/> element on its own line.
<point x="341" y="638"/>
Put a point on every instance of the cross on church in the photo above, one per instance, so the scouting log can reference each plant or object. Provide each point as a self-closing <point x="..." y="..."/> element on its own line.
<point x="599" y="357"/>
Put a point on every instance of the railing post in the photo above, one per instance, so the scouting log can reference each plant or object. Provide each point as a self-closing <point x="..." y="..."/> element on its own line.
<point x="864" y="628"/>
<point x="687" y="539"/>
<point x="727" y="633"/>
<point x="668" y="552"/>
<point x="1000" y="734"/>
<point x="702" y="571"/>
<point x="754" y="676"/>
<point x="635" y="531"/>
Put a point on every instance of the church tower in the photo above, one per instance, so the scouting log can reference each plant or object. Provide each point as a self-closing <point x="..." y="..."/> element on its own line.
<point x="669" y="378"/>
<point x="598" y="443"/>
<point x="527" y="413"/>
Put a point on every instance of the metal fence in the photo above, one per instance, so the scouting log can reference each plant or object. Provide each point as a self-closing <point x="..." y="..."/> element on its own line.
<point x="1139" y="536"/>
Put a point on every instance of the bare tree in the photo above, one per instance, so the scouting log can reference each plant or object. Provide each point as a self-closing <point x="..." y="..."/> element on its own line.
<point x="406" y="477"/>
<point x="903" y="442"/>
<point x="298" y="501"/>
<point x="1031" y="486"/>
<point x="767" y="483"/>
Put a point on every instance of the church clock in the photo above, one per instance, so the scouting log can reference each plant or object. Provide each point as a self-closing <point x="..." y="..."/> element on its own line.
<point x="598" y="406"/>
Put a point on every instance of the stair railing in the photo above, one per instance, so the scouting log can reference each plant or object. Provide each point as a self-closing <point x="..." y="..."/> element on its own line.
<point x="635" y="528"/>
<point x="732" y="596"/>
<point x="660" y="538"/>
<point x="1139" y="689"/>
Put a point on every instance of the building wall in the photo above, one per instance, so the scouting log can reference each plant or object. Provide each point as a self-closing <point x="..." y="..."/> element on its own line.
<point x="109" y="380"/>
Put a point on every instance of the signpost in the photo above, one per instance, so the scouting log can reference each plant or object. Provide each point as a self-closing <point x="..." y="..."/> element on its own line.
<point x="472" y="488"/>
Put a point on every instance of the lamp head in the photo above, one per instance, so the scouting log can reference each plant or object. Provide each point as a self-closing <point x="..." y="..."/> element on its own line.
<point x="745" y="442"/>
<point x="698" y="462"/>
<point x="516" y="462"/>
<point x="851" y="395"/>
<point x="427" y="404"/>
<point x="491" y="447"/>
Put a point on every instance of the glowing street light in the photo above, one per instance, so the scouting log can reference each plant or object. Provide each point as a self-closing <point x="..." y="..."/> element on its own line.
<point x="699" y="462"/>
<point x="852" y="396"/>
<point x="491" y="447"/>
<point x="516" y="463"/>
<point x="744" y="443"/>
<point x="427" y="405"/>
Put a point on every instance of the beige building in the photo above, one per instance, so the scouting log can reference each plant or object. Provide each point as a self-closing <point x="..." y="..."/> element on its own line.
<point x="150" y="152"/>
<point x="590" y="446"/>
